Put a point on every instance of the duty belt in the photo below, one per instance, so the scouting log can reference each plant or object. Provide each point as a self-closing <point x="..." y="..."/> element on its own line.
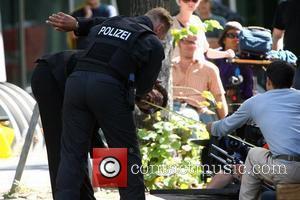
<point x="287" y="157"/>
<point x="96" y="67"/>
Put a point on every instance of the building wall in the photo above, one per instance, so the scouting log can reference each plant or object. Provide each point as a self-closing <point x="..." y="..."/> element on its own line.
<point x="39" y="37"/>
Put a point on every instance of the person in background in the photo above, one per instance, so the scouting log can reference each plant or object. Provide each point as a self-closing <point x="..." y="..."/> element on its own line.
<point x="189" y="74"/>
<point x="205" y="13"/>
<point x="223" y="10"/>
<point x="192" y="77"/>
<point x="183" y="19"/>
<point x="286" y="30"/>
<point x="237" y="80"/>
<point x="90" y="9"/>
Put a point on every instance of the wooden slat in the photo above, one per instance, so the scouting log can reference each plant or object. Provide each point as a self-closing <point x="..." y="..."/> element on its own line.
<point x="250" y="61"/>
<point x="288" y="191"/>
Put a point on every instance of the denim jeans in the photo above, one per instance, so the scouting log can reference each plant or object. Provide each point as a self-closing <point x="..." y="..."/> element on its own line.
<point x="187" y="111"/>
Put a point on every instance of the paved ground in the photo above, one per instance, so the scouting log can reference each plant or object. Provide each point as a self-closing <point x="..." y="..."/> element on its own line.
<point x="35" y="175"/>
<point x="35" y="182"/>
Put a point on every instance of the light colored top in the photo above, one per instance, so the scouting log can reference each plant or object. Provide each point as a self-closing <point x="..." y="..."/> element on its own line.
<point x="276" y="113"/>
<point x="202" y="44"/>
<point x="200" y="76"/>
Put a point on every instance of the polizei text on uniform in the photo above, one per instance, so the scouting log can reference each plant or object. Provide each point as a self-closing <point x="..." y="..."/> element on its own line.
<point x="114" y="32"/>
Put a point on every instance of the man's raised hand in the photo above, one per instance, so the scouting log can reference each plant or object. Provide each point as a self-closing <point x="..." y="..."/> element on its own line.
<point x="62" y="22"/>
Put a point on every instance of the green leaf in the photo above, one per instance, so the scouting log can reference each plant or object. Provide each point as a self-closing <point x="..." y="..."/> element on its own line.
<point x="194" y="29"/>
<point x="186" y="147"/>
<point x="158" y="125"/>
<point x="151" y="135"/>
<point x="212" y="24"/>
<point x="184" y="186"/>
<point x="166" y="144"/>
<point x="176" y="145"/>
<point x="173" y="137"/>
<point x="168" y="126"/>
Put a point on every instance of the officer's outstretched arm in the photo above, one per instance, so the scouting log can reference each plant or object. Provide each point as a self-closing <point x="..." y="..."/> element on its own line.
<point x="81" y="26"/>
<point x="62" y="22"/>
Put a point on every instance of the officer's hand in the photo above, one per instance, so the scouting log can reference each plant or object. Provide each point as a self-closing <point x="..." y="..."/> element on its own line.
<point x="158" y="96"/>
<point x="154" y="97"/>
<point x="62" y="22"/>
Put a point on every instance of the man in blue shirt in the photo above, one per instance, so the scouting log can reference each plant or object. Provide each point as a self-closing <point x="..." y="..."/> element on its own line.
<point x="277" y="113"/>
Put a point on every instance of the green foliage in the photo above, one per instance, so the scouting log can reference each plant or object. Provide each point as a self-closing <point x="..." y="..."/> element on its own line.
<point x="179" y="34"/>
<point x="169" y="160"/>
<point x="211" y="24"/>
<point x="208" y="25"/>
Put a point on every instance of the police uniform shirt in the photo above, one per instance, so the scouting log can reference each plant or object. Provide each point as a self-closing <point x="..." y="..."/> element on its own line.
<point x="147" y="51"/>
<point x="61" y="64"/>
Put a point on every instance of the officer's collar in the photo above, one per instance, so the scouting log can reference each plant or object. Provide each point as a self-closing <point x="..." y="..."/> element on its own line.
<point x="145" y="20"/>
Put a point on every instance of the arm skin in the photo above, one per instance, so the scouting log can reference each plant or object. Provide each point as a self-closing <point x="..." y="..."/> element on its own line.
<point x="216" y="54"/>
<point x="62" y="22"/>
<point x="222" y="112"/>
<point x="277" y="39"/>
<point x="65" y="23"/>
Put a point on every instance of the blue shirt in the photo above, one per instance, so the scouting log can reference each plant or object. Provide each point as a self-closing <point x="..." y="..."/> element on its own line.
<point x="276" y="113"/>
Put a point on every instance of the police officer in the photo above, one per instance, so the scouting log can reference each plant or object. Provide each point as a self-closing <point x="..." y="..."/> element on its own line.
<point x="122" y="50"/>
<point x="48" y="85"/>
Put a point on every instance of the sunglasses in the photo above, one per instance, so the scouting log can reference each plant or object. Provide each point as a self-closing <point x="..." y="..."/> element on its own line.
<point x="232" y="35"/>
<point x="186" y="1"/>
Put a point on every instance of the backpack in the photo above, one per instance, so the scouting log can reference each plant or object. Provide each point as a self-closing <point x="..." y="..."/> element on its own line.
<point x="255" y="42"/>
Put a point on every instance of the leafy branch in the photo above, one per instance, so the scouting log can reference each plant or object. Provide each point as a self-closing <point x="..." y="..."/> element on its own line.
<point x="193" y="30"/>
<point x="210" y="103"/>
<point x="167" y="150"/>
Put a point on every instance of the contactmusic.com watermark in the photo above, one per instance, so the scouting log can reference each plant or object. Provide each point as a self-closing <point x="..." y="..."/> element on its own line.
<point x="110" y="168"/>
<point x="167" y="170"/>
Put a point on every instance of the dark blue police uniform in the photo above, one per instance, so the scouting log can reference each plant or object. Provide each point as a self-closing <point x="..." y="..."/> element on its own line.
<point x="48" y="85"/>
<point x="97" y="91"/>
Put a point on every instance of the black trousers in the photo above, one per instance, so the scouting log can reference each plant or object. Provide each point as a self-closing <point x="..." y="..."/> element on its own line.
<point x="92" y="97"/>
<point x="49" y="96"/>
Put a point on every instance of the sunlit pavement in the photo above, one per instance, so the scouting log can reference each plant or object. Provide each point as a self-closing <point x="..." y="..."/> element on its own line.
<point x="35" y="176"/>
<point x="35" y="182"/>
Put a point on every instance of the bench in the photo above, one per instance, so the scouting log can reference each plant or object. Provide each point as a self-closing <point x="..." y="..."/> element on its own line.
<point x="288" y="191"/>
